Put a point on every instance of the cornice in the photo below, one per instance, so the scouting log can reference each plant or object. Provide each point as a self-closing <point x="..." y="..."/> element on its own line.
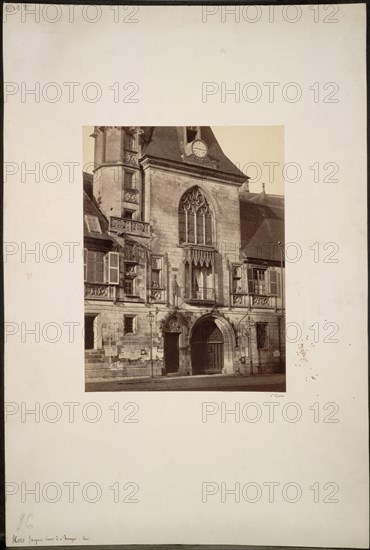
<point x="197" y="171"/>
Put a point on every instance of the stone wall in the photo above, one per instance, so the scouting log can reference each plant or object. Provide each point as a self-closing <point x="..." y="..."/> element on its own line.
<point x="129" y="354"/>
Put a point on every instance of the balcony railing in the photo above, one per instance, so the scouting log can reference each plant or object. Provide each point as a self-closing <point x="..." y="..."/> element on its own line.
<point x="100" y="291"/>
<point x="130" y="227"/>
<point x="254" y="300"/>
<point x="200" y="295"/>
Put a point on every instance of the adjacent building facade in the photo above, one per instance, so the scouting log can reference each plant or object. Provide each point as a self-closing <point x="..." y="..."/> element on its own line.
<point x="184" y="268"/>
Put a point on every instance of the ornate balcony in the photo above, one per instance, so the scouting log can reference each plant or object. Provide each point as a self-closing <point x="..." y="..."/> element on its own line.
<point x="96" y="291"/>
<point x="200" y="296"/>
<point x="130" y="227"/>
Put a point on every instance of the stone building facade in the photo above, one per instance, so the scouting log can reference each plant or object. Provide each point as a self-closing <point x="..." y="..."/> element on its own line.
<point x="184" y="268"/>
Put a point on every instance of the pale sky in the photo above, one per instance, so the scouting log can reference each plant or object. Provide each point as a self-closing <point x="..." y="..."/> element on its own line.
<point x="251" y="148"/>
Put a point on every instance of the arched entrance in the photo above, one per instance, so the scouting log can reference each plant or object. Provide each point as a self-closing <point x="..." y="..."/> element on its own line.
<point x="212" y="344"/>
<point x="207" y="348"/>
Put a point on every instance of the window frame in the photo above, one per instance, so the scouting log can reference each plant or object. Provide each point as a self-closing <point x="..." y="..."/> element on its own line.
<point x="132" y="318"/>
<point x="193" y="227"/>
<point x="131" y="174"/>
<point x="112" y="268"/>
<point x="130" y="139"/>
<point x="91" y="259"/>
<point x="158" y="270"/>
<point x="90" y="220"/>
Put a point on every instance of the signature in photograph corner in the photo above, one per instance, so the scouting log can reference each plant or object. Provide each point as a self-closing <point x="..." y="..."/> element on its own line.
<point x="33" y="540"/>
<point x="26" y="523"/>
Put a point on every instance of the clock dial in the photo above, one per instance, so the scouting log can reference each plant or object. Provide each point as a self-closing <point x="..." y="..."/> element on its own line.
<point x="199" y="148"/>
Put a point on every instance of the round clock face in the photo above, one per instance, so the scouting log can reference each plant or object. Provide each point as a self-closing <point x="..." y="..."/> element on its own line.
<point x="199" y="148"/>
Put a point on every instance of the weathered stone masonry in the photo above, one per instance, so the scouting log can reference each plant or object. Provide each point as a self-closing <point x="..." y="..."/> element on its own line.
<point x="171" y="286"/>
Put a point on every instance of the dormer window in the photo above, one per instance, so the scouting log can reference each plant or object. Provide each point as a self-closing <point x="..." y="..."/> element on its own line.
<point x="192" y="133"/>
<point x="93" y="224"/>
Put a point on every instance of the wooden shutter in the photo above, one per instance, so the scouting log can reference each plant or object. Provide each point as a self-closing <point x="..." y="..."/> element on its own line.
<point x="113" y="268"/>
<point x="250" y="280"/>
<point x="90" y="268"/>
<point x="99" y="267"/>
<point x="274" y="279"/>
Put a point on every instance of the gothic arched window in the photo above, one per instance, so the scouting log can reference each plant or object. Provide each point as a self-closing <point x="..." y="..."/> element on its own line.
<point x="195" y="218"/>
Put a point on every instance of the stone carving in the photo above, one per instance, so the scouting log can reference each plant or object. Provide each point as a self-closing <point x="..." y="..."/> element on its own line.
<point x="260" y="301"/>
<point x="100" y="292"/>
<point x="131" y="195"/>
<point x="156" y="294"/>
<point x="130" y="158"/>
<point x="200" y="256"/>
<point x="173" y="325"/>
<point x="196" y="201"/>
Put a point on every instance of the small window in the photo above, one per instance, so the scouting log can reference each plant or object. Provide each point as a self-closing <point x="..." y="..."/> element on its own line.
<point x="129" y="182"/>
<point x="129" y="324"/>
<point x="129" y="287"/>
<point x="129" y="142"/>
<point x="191" y="133"/>
<point x="128" y="214"/>
<point x="259" y="278"/>
<point x="156" y="275"/>
<point x="237" y="280"/>
<point x="93" y="224"/>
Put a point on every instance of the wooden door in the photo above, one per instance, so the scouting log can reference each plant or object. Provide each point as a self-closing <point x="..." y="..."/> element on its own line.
<point x="171" y="351"/>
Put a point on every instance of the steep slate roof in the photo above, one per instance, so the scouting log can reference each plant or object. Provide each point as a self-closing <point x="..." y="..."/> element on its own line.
<point x="91" y="208"/>
<point x="164" y="142"/>
<point x="261" y="225"/>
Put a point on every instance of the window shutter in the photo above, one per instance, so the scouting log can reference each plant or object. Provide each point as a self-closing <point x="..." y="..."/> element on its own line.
<point x="113" y="268"/>
<point x="90" y="266"/>
<point x="274" y="282"/>
<point x="250" y="280"/>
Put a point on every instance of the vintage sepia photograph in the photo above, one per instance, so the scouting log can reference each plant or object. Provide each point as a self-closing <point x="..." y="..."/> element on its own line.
<point x="183" y="260"/>
<point x="185" y="313"/>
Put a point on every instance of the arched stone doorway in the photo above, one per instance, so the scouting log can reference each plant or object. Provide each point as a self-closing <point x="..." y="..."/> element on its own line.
<point x="212" y="345"/>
